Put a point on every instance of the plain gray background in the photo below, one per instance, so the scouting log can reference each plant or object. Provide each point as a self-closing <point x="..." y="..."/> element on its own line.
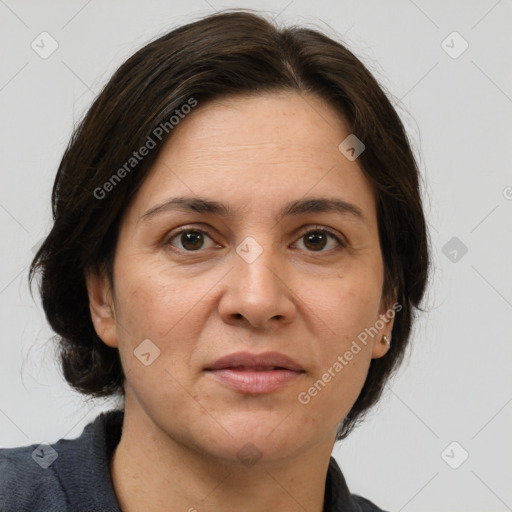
<point x="455" y="385"/>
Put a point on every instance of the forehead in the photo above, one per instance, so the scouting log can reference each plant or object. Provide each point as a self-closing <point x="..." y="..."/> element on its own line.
<point x="270" y="119"/>
<point x="259" y="150"/>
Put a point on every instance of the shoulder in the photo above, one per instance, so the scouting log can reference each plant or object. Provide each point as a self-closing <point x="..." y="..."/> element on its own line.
<point x="338" y="496"/>
<point x="62" y="476"/>
<point x="25" y="484"/>
<point x="363" y="505"/>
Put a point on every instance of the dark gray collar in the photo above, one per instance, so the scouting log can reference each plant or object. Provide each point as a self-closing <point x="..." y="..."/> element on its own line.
<point x="83" y="467"/>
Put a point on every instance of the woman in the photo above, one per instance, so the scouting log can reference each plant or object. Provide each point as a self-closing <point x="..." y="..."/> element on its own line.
<point x="238" y="252"/>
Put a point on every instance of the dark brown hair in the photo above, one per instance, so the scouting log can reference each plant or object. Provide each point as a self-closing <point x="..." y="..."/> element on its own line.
<point x="228" y="53"/>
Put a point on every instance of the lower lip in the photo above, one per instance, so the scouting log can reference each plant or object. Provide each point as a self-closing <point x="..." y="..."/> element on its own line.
<point x="254" y="381"/>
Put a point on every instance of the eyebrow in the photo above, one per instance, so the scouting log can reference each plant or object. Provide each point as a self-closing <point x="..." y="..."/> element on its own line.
<point x="293" y="208"/>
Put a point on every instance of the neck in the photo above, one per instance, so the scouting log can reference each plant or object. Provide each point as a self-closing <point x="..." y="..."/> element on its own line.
<point x="152" y="471"/>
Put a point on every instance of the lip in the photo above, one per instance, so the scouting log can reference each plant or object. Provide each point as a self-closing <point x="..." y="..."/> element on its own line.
<point x="255" y="373"/>
<point x="251" y="361"/>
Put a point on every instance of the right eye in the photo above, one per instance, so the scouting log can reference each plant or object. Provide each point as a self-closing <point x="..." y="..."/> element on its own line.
<point x="191" y="240"/>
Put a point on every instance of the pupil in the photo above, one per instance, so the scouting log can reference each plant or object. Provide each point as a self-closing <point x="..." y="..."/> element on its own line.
<point x="316" y="236"/>
<point x="188" y="237"/>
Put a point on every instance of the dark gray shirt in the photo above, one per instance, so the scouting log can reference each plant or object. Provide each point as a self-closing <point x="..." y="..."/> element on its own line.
<point x="73" y="475"/>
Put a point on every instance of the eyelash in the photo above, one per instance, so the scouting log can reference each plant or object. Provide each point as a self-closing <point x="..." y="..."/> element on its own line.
<point x="314" y="229"/>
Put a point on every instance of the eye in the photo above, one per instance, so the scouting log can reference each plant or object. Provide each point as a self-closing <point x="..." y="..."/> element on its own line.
<point x="192" y="240"/>
<point x="317" y="239"/>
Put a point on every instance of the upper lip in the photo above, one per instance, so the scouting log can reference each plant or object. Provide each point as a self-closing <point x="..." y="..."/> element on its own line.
<point x="249" y="360"/>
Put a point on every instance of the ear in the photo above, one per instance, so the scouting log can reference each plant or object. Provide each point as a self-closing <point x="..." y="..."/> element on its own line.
<point x="384" y="324"/>
<point x="101" y="306"/>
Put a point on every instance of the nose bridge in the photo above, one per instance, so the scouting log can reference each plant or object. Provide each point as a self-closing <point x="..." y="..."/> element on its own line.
<point x="257" y="264"/>
<point x="257" y="289"/>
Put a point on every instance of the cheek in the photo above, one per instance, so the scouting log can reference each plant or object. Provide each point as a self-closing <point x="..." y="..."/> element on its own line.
<point x="343" y="360"/>
<point x="167" y="309"/>
<point x="359" y="307"/>
<point x="346" y="305"/>
<point x="150" y="301"/>
<point x="162" y="311"/>
<point x="346" y="308"/>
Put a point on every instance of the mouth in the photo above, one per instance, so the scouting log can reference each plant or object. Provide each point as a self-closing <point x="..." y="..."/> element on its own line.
<point x="264" y="361"/>
<point x="256" y="380"/>
<point x="255" y="373"/>
<point x="252" y="368"/>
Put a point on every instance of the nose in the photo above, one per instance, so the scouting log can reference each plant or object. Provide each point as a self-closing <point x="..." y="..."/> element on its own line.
<point x="258" y="292"/>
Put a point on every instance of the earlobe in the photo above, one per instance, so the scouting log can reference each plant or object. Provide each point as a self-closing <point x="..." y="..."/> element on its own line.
<point x="382" y="343"/>
<point x="101" y="306"/>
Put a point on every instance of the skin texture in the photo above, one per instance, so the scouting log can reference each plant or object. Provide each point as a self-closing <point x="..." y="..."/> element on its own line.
<point x="309" y="300"/>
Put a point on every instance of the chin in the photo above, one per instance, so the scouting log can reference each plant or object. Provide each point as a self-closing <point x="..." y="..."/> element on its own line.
<point x="260" y="436"/>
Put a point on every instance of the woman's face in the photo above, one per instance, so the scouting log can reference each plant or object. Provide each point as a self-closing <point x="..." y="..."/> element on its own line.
<point x="192" y="286"/>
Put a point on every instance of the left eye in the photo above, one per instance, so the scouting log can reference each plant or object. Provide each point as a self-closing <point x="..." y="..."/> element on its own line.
<point x="193" y="239"/>
<point x="318" y="239"/>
